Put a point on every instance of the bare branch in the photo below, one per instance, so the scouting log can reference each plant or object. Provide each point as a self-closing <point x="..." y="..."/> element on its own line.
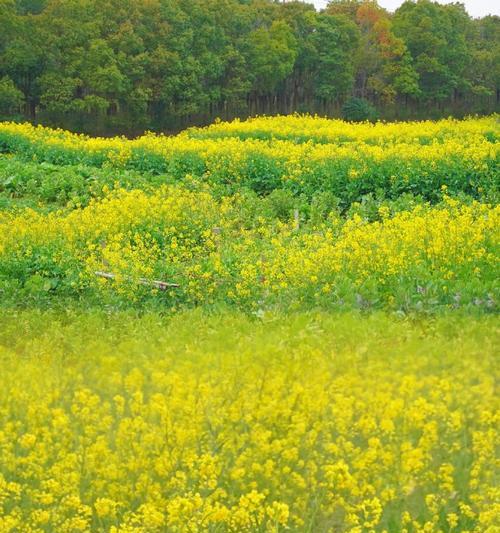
<point x="162" y="285"/>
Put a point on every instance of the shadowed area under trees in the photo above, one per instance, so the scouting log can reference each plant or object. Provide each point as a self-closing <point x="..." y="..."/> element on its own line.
<point x="107" y="66"/>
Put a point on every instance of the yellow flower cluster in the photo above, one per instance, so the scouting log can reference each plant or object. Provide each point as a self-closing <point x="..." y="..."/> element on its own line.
<point x="352" y="422"/>
<point x="235" y="151"/>
<point x="202" y="244"/>
<point x="292" y="127"/>
<point x="441" y="244"/>
<point x="299" y="423"/>
<point x="302" y="127"/>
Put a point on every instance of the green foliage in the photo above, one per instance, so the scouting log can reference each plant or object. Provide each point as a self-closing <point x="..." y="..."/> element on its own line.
<point x="34" y="7"/>
<point x="436" y="37"/>
<point x="104" y="66"/>
<point x="333" y="42"/>
<point x="358" y="110"/>
<point x="11" y="98"/>
<point x="272" y="52"/>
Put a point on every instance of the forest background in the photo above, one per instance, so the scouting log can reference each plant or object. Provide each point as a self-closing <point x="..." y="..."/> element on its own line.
<point x="126" y="66"/>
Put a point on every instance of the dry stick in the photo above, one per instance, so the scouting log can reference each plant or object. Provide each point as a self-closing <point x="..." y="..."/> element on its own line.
<point x="217" y="234"/>
<point x="162" y="285"/>
<point x="296" y="220"/>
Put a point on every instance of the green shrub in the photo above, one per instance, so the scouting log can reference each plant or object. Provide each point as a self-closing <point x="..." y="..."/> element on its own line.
<point x="358" y="110"/>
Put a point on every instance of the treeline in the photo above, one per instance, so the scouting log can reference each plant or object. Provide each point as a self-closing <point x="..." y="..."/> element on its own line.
<point x="103" y="66"/>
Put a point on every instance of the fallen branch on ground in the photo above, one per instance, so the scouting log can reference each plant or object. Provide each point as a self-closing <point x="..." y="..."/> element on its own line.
<point x="162" y="285"/>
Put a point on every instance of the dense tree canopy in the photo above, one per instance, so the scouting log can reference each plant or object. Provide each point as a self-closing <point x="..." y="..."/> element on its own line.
<point x="129" y="65"/>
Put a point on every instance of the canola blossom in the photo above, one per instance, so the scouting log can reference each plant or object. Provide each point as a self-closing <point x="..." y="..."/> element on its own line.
<point x="447" y="253"/>
<point x="300" y="423"/>
<point x="462" y="155"/>
<point x="300" y="128"/>
<point x="284" y="324"/>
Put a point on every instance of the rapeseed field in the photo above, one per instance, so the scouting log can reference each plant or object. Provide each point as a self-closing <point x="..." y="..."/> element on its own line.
<point x="298" y="422"/>
<point x="280" y="324"/>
